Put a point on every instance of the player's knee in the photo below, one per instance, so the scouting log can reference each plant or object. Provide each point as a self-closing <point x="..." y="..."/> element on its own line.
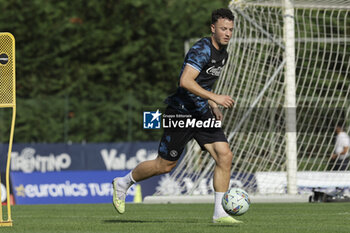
<point x="164" y="166"/>
<point x="168" y="168"/>
<point x="165" y="169"/>
<point x="225" y="159"/>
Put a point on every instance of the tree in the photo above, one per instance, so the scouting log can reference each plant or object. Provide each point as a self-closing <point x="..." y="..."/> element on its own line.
<point x="86" y="70"/>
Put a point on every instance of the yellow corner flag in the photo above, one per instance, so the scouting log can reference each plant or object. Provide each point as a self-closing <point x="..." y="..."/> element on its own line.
<point x="7" y="100"/>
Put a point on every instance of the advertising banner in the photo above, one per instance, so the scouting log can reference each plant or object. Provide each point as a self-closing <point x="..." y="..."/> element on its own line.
<point x="52" y="157"/>
<point x="276" y="182"/>
<point x="68" y="187"/>
<point x="49" y="173"/>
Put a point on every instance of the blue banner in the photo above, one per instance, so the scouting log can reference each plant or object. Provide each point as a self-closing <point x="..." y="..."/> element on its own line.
<point x="67" y="187"/>
<point x="43" y="157"/>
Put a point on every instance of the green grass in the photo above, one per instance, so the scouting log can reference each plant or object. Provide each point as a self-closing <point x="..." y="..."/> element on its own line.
<point x="173" y="218"/>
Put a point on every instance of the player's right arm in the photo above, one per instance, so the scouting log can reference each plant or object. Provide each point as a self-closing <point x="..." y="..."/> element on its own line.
<point x="187" y="81"/>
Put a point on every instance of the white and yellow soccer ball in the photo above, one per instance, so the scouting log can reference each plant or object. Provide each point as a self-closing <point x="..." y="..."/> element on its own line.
<point x="235" y="201"/>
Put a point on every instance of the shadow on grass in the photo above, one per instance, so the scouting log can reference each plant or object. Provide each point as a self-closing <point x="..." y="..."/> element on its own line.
<point x="114" y="221"/>
<point x="224" y="225"/>
<point x="130" y="221"/>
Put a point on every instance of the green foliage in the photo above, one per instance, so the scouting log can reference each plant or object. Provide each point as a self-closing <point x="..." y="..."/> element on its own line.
<point x="87" y="69"/>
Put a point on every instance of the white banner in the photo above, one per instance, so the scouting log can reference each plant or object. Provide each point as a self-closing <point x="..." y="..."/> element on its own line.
<point x="276" y="182"/>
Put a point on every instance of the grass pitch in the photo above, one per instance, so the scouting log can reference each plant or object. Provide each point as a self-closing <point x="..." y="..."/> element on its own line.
<point x="173" y="218"/>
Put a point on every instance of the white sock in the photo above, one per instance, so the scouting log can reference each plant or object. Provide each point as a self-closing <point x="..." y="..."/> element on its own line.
<point x="218" y="210"/>
<point x="126" y="181"/>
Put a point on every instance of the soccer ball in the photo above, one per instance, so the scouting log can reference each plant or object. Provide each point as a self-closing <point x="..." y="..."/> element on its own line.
<point x="235" y="201"/>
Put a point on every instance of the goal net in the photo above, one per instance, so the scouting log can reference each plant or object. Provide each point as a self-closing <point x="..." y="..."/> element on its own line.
<point x="256" y="77"/>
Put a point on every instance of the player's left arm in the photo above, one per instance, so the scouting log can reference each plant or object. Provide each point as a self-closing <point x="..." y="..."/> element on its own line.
<point x="215" y="109"/>
<point x="345" y="150"/>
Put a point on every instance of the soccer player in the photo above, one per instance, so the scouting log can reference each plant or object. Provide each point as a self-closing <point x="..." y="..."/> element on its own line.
<point x="201" y="68"/>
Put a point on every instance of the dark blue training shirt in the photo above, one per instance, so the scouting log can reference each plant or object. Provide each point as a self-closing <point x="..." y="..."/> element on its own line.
<point x="209" y="61"/>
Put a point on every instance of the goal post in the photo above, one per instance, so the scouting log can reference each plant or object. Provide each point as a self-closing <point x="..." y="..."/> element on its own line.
<point x="7" y="100"/>
<point x="288" y="71"/>
<point x="290" y="96"/>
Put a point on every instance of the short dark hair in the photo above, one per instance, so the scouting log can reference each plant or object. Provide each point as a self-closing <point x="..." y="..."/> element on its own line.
<point x="340" y="126"/>
<point x="221" y="13"/>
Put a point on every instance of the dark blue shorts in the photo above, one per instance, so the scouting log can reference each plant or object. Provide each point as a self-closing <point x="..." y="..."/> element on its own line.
<point x="174" y="139"/>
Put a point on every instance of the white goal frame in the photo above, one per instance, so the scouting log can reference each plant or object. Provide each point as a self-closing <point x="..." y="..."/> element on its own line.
<point x="284" y="70"/>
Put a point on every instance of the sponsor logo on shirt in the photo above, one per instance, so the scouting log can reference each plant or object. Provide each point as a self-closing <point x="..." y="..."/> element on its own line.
<point x="215" y="71"/>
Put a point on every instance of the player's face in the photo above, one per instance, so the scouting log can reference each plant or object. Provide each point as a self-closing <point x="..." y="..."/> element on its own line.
<point x="222" y="31"/>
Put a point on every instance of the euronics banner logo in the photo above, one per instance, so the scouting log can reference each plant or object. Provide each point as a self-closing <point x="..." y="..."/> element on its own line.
<point x="152" y="120"/>
<point x="66" y="187"/>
